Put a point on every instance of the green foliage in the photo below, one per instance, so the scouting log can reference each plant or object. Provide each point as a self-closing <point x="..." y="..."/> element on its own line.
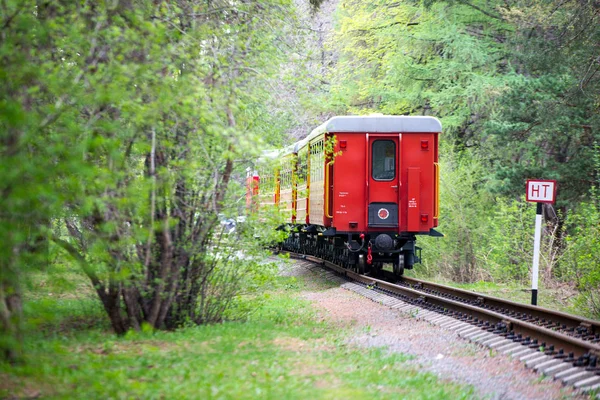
<point x="582" y="257"/>
<point x="282" y="351"/>
<point x="410" y="59"/>
<point x="486" y="238"/>
<point x="463" y="211"/>
<point x="546" y="123"/>
<point x="120" y="128"/>
<point x="60" y="300"/>
<point x="509" y="235"/>
<point x="553" y="297"/>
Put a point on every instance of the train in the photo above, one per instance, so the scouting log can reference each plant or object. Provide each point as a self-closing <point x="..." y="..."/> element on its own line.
<point x="357" y="191"/>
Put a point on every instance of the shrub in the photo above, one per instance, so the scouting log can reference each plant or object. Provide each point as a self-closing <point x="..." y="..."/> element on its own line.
<point x="581" y="260"/>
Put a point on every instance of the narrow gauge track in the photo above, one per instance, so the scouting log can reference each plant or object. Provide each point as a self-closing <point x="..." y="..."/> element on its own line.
<point x="570" y="325"/>
<point x="554" y="334"/>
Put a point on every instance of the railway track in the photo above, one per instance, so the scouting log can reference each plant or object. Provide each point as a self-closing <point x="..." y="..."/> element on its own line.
<point x="557" y="344"/>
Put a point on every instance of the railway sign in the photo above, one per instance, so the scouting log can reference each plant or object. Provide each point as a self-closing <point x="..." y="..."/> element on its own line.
<point x="541" y="191"/>
<point x="538" y="191"/>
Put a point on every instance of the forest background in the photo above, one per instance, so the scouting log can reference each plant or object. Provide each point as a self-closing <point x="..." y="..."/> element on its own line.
<point x="126" y="128"/>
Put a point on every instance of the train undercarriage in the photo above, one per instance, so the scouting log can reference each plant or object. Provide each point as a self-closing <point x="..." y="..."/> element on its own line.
<point x="362" y="253"/>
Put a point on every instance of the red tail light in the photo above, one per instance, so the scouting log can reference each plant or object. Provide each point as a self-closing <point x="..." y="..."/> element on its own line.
<point x="424" y="218"/>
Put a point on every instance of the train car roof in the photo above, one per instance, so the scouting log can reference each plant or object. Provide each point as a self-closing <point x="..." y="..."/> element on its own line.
<point x="276" y="153"/>
<point x="384" y="124"/>
<point x="374" y="124"/>
<point x="362" y="124"/>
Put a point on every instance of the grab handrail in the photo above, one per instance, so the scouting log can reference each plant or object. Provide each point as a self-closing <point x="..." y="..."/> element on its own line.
<point x="436" y="205"/>
<point x="326" y="205"/>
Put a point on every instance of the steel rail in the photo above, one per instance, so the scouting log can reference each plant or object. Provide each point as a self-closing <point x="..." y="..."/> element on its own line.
<point x="528" y="312"/>
<point x="483" y="317"/>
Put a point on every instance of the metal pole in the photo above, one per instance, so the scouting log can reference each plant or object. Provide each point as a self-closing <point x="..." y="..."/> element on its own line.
<point x="536" y="254"/>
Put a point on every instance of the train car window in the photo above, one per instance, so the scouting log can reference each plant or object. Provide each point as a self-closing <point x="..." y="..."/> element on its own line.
<point x="267" y="181"/>
<point x="316" y="161"/>
<point x="384" y="160"/>
<point x="302" y="166"/>
<point x="285" y="177"/>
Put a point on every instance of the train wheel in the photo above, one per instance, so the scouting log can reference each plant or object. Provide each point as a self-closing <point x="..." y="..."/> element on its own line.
<point x="360" y="266"/>
<point x="376" y="269"/>
<point x="399" y="266"/>
<point x="398" y="271"/>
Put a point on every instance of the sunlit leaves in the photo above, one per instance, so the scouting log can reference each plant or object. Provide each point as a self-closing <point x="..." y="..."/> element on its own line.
<point x="407" y="59"/>
<point x="94" y="93"/>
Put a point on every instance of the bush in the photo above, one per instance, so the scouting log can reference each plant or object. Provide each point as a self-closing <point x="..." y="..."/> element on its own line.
<point x="581" y="259"/>
<point x="510" y="240"/>
<point x="462" y="221"/>
<point x="489" y="239"/>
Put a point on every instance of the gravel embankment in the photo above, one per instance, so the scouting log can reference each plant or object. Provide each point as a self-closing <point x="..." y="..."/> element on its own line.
<point x="435" y="350"/>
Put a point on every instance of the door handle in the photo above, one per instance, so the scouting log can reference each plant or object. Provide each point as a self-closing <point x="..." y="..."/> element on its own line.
<point x="395" y="187"/>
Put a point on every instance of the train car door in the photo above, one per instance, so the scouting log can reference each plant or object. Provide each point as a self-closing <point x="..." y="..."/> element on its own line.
<point x="383" y="180"/>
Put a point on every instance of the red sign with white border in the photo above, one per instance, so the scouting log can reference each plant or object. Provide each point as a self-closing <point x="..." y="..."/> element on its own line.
<point x="541" y="191"/>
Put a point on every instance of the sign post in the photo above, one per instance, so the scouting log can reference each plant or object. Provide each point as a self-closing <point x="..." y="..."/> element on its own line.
<point x="538" y="191"/>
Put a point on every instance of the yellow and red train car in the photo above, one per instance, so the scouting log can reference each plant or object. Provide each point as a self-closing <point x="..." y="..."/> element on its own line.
<point x="358" y="189"/>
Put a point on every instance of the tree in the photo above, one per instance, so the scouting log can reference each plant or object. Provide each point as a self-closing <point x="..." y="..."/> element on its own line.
<point x="125" y="121"/>
<point x="546" y="124"/>
<point x="410" y="58"/>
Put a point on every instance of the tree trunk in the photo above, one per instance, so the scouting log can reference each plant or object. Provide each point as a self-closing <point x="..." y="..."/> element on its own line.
<point x="112" y="305"/>
<point x="224" y="182"/>
<point x="10" y="320"/>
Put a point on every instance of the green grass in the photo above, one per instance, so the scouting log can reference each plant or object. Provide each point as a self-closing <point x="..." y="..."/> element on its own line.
<point x="280" y="351"/>
<point x="61" y="300"/>
<point x="556" y="299"/>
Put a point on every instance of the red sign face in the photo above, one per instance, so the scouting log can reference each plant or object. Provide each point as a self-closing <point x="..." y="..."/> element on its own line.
<point x="383" y="213"/>
<point x="541" y="191"/>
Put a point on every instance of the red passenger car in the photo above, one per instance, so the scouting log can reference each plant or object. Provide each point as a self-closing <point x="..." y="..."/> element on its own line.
<point x="359" y="189"/>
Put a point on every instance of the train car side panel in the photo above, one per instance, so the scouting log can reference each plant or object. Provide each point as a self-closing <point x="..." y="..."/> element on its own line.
<point x="349" y="214"/>
<point x="287" y="192"/>
<point x="316" y="195"/>
<point x="419" y="182"/>
<point x="301" y="186"/>
<point x="267" y="189"/>
<point x="252" y="186"/>
<point x="436" y="177"/>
